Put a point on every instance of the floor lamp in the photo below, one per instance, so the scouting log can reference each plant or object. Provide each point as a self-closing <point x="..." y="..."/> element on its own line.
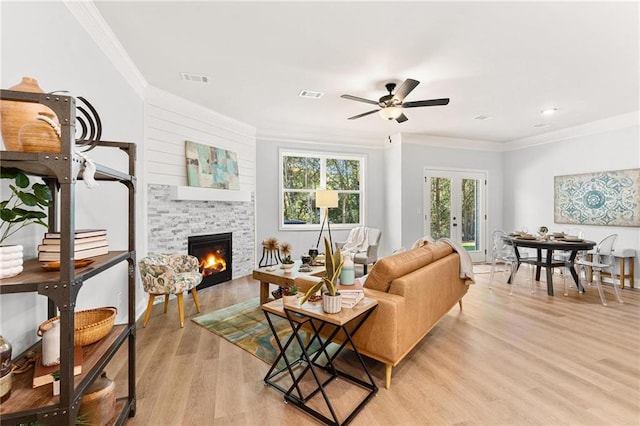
<point x="327" y="199"/>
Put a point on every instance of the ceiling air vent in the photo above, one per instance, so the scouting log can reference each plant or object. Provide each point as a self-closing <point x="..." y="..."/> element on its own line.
<point x="194" y="77"/>
<point x="483" y="117"/>
<point x="310" y="94"/>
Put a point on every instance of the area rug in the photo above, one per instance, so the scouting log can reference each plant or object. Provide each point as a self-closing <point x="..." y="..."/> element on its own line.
<point x="245" y="325"/>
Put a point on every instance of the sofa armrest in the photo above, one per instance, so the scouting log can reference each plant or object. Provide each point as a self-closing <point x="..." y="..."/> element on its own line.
<point x="379" y="334"/>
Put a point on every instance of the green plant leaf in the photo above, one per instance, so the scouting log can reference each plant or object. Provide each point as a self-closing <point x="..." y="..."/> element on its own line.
<point x="8" y="172"/>
<point x="7" y="215"/>
<point x="22" y="180"/>
<point x="42" y="193"/>
<point x="27" y="198"/>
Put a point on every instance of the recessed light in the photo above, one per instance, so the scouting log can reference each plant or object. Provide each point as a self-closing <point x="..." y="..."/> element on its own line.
<point x="549" y="111"/>
<point x="542" y="125"/>
<point x="194" y="77"/>
<point x="310" y="94"/>
<point x="483" y="117"/>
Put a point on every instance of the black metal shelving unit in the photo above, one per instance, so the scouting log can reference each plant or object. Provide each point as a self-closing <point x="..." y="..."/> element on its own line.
<point x="61" y="172"/>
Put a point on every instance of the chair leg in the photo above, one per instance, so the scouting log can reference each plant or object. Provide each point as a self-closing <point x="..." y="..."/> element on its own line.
<point x="166" y="302"/>
<point x="194" y="293"/>
<point x="512" y="276"/>
<point x="180" y="297"/>
<point x="149" y="307"/>
<point x="460" y="303"/>
<point x="615" y="287"/>
<point x="598" y="280"/>
<point x="493" y="270"/>
<point x="364" y="269"/>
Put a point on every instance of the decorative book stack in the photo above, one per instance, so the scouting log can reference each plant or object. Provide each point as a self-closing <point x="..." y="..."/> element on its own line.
<point x="351" y="294"/>
<point x="87" y="243"/>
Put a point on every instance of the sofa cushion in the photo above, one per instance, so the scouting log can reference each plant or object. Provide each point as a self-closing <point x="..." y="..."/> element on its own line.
<point x="391" y="267"/>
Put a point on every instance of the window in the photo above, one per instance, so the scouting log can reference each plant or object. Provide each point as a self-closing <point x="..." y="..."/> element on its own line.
<point x="303" y="173"/>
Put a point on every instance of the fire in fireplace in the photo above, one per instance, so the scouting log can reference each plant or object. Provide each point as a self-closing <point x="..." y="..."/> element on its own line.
<point x="214" y="254"/>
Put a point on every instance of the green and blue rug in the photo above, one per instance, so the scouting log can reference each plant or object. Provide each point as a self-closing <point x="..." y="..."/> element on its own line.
<point x="245" y="325"/>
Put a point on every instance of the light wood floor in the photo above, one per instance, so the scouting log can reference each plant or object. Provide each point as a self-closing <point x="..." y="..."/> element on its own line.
<point x="524" y="359"/>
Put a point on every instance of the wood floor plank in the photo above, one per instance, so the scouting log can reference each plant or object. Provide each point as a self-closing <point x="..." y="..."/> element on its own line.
<point x="502" y="360"/>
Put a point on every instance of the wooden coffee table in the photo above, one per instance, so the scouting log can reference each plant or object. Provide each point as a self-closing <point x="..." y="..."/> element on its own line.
<point x="278" y="277"/>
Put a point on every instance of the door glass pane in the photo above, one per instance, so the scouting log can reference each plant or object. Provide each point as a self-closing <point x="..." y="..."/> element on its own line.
<point x="440" y="208"/>
<point x="469" y="219"/>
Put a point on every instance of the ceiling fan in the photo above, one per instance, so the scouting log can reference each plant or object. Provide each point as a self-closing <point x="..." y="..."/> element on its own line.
<point x="391" y="105"/>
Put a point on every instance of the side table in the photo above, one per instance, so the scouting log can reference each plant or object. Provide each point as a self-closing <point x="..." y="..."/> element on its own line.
<point x="308" y="366"/>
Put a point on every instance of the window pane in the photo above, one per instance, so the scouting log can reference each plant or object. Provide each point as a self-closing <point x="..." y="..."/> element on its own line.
<point x="299" y="208"/>
<point x="348" y="210"/>
<point x="440" y="208"/>
<point x="470" y="209"/>
<point x="301" y="172"/>
<point x="343" y="174"/>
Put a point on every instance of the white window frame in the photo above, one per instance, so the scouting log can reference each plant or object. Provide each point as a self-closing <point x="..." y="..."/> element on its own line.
<point x="362" y="158"/>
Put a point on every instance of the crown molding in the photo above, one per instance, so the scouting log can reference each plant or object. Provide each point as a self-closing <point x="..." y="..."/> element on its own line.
<point x="621" y="121"/>
<point x="451" y="143"/>
<point x="94" y="24"/>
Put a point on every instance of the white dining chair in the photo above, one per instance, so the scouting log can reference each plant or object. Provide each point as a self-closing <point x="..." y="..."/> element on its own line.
<point x="505" y="253"/>
<point x="601" y="260"/>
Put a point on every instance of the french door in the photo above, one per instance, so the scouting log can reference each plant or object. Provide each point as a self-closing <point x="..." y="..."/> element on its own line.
<point x="454" y="206"/>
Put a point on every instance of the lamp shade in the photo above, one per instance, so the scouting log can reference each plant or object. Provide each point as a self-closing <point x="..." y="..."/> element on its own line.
<point x="326" y="198"/>
<point x="390" y="112"/>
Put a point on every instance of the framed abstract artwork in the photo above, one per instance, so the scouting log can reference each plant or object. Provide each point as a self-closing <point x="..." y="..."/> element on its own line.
<point x="211" y="167"/>
<point x="602" y="198"/>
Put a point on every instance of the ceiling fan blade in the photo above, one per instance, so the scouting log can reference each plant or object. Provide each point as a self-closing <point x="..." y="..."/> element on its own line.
<point x="402" y="118"/>
<point x="406" y="88"/>
<point x="355" y="98"/>
<point x="430" y="102"/>
<point x="363" y="114"/>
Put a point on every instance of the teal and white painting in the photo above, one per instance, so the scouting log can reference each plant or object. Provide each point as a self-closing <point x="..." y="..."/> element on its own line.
<point x="603" y="198"/>
<point x="211" y="167"/>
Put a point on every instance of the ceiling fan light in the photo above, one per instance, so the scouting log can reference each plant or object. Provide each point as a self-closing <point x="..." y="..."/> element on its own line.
<point x="390" y="112"/>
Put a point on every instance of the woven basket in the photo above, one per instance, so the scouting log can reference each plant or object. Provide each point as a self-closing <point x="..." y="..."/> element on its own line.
<point x="90" y="325"/>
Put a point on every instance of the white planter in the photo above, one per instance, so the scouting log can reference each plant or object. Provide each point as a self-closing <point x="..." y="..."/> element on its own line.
<point x="331" y="304"/>
<point x="56" y="387"/>
<point x="289" y="300"/>
<point x="11" y="258"/>
<point x="287" y="267"/>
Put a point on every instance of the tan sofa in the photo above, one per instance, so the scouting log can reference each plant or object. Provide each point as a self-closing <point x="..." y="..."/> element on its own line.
<point x="414" y="288"/>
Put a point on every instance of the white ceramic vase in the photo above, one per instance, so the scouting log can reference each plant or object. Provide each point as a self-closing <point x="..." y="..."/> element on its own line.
<point x="331" y="304"/>
<point x="11" y="258"/>
<point x="51" y="345"/>
<point x="287" y="267"/>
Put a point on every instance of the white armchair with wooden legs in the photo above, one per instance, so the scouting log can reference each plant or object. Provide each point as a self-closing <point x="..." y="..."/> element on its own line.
<point x="166" y="274"/>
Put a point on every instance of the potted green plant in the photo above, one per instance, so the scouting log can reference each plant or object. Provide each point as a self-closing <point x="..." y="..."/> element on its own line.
<point x="26" y="205"/>
<point x="331" y="299"/>
<point x="290" y="294"/>
<point x="287" y="264"/>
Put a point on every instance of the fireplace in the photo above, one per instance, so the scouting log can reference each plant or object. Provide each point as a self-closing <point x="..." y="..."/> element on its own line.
<point x="215" y="257"/>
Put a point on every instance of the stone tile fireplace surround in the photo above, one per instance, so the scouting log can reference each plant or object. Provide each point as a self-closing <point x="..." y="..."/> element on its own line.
<point x="171" y="222"/>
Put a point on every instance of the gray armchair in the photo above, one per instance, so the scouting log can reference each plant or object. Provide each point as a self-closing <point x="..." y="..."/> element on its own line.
<point x="361" y="245"/>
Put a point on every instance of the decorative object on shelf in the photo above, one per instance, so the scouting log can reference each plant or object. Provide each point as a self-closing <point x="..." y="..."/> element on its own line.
<point x="287" y="264"/>
<point x="211" y="167"/>
<point x="50" y="333"/>
<point x="43" y="375"/>
<point x="543" y="230"/>
<point x="270" y="253"/>
<point x="11" y="258"/>
<point x="602" y="198"/>
<point x="326" y="199"/>
<point x="91" y="325"/>
<point x="90" y="124"/>
<point x="290" y="294"/>
<point x="331" y="300"/>
<point x="40" y="135"/>
<point x="55" y="266"/>
<point x="6" y="376"/>
<point x="14" y="211"/>
<point x="98" y="405"/>
<point x="15" y="114"/>
<point x="56" y="382"/>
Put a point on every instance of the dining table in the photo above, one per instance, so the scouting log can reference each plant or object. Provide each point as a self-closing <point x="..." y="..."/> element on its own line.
<point x="572" y="246"/>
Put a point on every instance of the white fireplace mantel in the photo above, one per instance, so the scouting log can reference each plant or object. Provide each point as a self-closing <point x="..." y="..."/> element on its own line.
<point x="207" y="194"/>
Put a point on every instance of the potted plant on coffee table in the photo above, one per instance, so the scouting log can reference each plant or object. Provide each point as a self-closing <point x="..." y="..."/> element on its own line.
<point x="331" y="299"/>
<point x="287" y="264"/>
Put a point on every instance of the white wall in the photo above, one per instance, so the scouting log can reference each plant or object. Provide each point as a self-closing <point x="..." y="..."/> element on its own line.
<point x="43" y="40"/>
<point x="393" y="191"/>
<point x="267" y="192"/>
<point x="528" y="192"/>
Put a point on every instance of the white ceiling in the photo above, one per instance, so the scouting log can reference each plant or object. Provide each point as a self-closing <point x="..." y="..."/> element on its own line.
<point x="509" y="60"/>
